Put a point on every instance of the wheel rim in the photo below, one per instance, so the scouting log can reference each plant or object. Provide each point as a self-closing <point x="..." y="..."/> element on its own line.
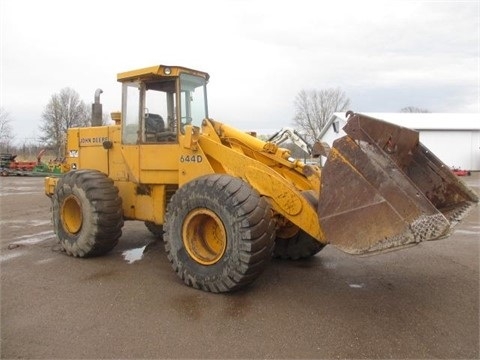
<point x="71" y="214"/>
<point x="204" y="236"/>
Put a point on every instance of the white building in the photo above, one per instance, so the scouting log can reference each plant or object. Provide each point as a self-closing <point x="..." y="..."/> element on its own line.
<point x="454" y="138"/>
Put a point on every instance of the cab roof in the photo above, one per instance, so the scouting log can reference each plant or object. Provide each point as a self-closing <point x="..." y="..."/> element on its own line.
<point x="158" y="72"/>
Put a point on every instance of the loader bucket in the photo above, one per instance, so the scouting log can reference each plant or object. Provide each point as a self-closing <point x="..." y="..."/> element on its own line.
<point x="382" y="189"/>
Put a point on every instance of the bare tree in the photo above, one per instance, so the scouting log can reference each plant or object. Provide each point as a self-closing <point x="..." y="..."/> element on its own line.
<point x="413" y="109"/>
<point x="63" y="111"/>
<point x="6" y="134"/>
<point x="314" y="108"/>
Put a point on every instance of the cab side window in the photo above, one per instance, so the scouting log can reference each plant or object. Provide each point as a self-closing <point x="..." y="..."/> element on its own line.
<point x="131" y="113"/>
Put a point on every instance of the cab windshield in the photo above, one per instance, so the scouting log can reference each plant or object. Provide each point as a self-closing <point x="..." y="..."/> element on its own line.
<point x="193" y="100"/>
<point x="152" y="113"/>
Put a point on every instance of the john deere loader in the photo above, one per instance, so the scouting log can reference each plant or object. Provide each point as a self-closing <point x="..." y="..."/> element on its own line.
<point x="225" y="202"/>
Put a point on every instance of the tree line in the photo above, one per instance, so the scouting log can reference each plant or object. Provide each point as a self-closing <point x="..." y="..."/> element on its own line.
<point x="64" y="110"/>
<point x="313" y="109"/>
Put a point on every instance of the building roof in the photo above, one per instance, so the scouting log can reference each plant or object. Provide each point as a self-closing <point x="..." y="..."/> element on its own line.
<point x="421" y="121"/>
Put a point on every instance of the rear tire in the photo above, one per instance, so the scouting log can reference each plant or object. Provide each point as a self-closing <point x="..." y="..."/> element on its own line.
<point x="218" y="233"/>
<point x="87" y="213"/>
<point x="156" y="230"/>
<point x="299" y="246"/>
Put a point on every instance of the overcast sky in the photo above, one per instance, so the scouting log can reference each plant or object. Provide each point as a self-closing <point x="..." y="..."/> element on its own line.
<point x="385" y="55"/>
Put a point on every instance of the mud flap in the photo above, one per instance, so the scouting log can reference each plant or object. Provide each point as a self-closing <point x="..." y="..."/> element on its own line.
<point x="382" y="189"/>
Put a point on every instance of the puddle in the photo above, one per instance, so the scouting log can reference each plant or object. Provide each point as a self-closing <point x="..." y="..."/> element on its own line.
<point x="16" y="193"/>
<point x="357" y="286"/>
<point x="5" y="257"/>
<point x="19" y="190"/>
<point x="44" y="261"/>
<point x="24" y="223"/>
<point x="467" y="232"/>
<point x="134" y="254"/>
<point x="35" y="238"/>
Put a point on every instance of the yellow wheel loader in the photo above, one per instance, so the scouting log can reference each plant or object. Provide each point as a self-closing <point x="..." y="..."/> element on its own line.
<point x="225" y="202"/>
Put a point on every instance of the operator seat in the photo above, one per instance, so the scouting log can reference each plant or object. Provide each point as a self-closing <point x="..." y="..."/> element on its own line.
<point x="154" y="124"/>
<point x="155" y="130"/>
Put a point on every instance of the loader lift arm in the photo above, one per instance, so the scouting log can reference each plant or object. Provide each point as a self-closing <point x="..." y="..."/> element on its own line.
<point x="287" y="133"/>
<point x="290" y="186"/>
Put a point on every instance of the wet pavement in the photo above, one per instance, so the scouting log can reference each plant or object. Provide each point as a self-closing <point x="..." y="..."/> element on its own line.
<point x="421" y="302"/>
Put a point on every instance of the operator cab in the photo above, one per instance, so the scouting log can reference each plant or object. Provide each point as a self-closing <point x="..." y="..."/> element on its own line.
<point x="158" y="102"/>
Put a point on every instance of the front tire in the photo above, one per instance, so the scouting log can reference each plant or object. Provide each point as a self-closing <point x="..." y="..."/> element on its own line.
<point x="87" y="213"/>
<point x="218" y="233"/>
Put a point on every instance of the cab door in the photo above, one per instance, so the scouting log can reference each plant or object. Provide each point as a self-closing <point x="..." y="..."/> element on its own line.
<point x="131" y="129"/>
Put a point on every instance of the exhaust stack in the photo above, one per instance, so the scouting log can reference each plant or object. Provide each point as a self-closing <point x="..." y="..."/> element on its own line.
<point x="97" y="111"/>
